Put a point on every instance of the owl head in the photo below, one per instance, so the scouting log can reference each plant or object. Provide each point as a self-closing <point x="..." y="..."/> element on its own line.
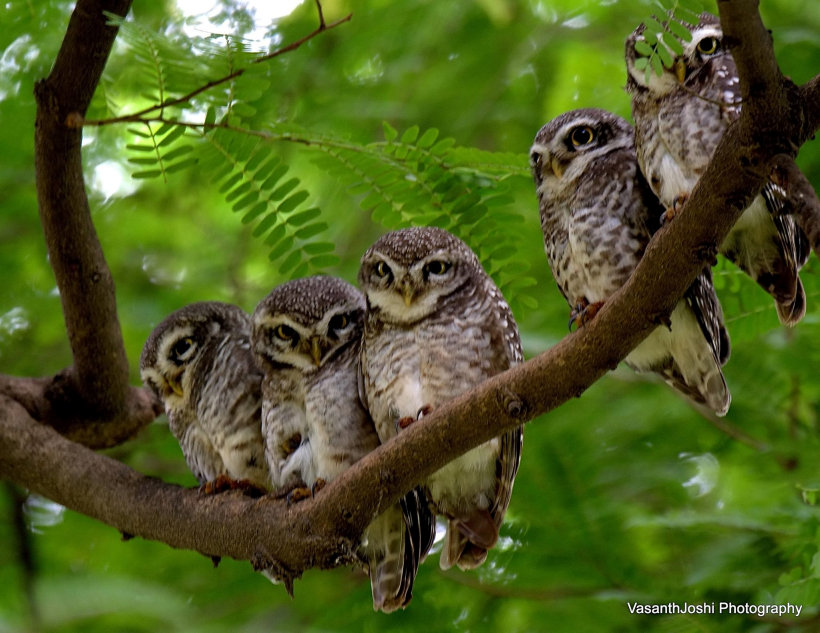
<point x="184" y="347"/>
<point x="408" y="274"/>
<point x="305" y="323"/>
<point x="564" y="148"/>
<point x="705" y="45"/>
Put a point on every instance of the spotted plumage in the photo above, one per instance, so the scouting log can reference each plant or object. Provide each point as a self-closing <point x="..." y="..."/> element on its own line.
<point x="437" y="326"/>
<point x="199" y="362"/>
<point x="597" y="216"/>
<point x="680" y="116"/>
<point x="306" y="336"/>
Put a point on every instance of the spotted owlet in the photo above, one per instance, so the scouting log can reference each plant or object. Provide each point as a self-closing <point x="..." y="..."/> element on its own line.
<point x="437" y="326"/>
<point x="597" y="215"/>
<point x="199" y="362"/>
<point x="306" y="336"/>
<point x="680" y="116"/>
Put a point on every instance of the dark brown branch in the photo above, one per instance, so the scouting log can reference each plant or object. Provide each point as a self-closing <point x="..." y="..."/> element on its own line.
<point x="99" y="379"/>
<point x="810" y="96"/>
<point x="51" y="401"/>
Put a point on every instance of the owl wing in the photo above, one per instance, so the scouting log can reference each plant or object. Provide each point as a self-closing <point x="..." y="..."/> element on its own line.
<point x="509" y="455"/>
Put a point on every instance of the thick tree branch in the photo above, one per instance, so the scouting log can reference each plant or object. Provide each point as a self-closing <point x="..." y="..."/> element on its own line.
<point x="320" y="532"/>
<point x="99" y="380"/>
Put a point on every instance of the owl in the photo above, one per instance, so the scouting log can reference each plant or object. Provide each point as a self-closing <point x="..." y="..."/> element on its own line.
<point x="436" y="326"/>
<point x="680" y="117"/>
<point x="200" y="364"/>
<point x="306" y="336"/>
<point x="597" y="216"/>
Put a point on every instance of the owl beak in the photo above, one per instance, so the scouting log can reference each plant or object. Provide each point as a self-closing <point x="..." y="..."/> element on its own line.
<point x="679" y="68"/>
<point x="407" y="293"/>
<point x="557" y="167"/>
<point x="316" y="350"/>
<point x="176" y="385"/>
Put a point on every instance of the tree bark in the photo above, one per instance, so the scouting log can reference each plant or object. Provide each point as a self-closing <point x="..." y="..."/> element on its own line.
<point x="321" y="531"/>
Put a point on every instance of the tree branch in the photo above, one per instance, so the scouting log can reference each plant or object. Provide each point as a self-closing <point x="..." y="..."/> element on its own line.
<point x="99" y="380"/>
<point x="321" y="531"/>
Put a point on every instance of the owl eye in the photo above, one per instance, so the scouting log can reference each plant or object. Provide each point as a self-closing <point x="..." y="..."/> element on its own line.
<point x="438" y="267"/>
<point x="290" y="445"/>
<point x="582" y="136"/>
<point x="383" y="270"/>
<point x="183" y="349"/>
<point x="338" y="322"/>
<point x="708" y="46"/>
<point x="286" y="333"/>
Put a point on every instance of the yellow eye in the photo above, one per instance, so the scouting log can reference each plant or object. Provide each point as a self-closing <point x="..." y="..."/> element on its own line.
<point x="581" y="136"/>
<point x="338" y="322"/>
<point x="286" y="333"/>
<point x="438" y="267"/>
<point x="182" y="349"/>
<point x="708" y="46"/>
<point x="383" y="270"/>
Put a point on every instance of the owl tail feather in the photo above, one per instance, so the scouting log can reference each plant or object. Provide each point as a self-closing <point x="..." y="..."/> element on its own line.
<point x="385" y="553"/>
<point x="702" y="381"/>
<point x="468" y="540"/>
<point x="792" y="310"/>
<point x="396" y="542"/>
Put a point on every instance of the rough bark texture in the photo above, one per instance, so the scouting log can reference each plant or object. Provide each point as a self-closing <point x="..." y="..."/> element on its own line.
<point x="777" y="118"/>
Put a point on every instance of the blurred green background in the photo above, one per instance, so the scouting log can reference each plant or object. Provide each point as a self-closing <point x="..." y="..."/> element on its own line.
<point x="625" y="494"/>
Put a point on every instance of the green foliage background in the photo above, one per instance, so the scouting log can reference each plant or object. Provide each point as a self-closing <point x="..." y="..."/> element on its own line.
<point x="626" y="494"/>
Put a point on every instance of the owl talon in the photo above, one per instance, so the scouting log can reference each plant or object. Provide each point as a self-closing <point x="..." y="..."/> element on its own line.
<point x="403" y="423"/>
<point x="583" y="313"/>
<point x="317" y="486"/>
<point x="298" y="494"/>
<point x="425" y="410"/>
<point x="671" y="212"/>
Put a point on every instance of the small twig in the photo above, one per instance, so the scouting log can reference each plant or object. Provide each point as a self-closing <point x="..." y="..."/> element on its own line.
<point x="139" y="116"/>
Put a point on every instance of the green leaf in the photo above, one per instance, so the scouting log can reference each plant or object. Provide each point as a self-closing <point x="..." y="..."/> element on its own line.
<point x="151" y="173"/>
<point x="294" y="201"/>
<point x="410" y="135"/>
<point x="281" y="248"/>
<point x="310" y="230"/>
<point x="290" y="262"/>
<point x="255" y="212"/>
<point x="246" y="200"/>
<point x="390" y="133"/>
<point x="428" y="138"/>
<point x="298" y="219"/>
<point x="174" y="134"/>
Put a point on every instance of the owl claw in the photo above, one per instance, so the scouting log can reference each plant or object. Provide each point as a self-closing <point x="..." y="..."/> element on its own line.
<point x="317" y="486"/>
<point x="298" y="494"/>
<point x="671" y="212"/>
<point x="403" y="423"/>
<point x="583" y="313"/>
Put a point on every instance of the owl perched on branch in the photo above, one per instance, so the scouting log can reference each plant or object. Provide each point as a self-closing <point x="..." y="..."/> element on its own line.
<point x="597" y="216"/>
<point x="680" y="116"/>
<point x="436" y="326"/>
<point x="199" y="362"/>
<point x="306" y="337"/>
